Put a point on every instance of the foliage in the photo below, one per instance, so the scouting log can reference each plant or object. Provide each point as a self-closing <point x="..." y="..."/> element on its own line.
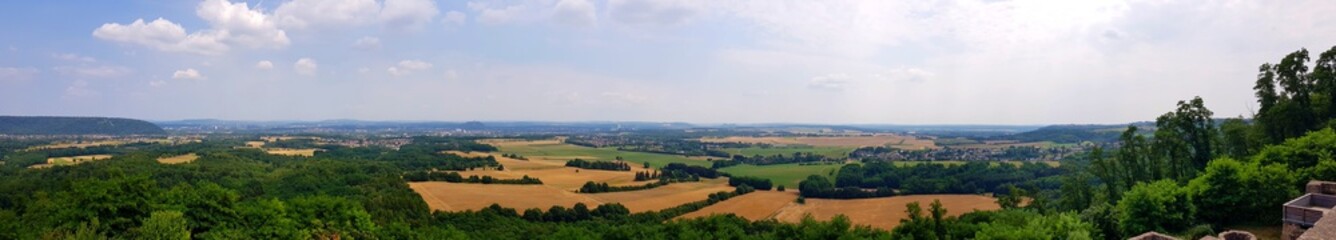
<point x="600" y="165"/>
<point x="1160" y="206"/>
<point x="972" y="177"/>
<point x="592" y="187"/>
<point x="758" y="183"/>
<point x="454" y="177"/>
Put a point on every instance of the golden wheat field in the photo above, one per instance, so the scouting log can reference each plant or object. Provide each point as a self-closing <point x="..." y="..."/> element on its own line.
<point x="884" y="213"/>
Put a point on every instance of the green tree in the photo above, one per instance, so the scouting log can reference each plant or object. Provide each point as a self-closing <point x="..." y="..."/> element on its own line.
<point x="163" y="225"/>
<point x="1160" y="206"/>
<point x="1238" y="139"/>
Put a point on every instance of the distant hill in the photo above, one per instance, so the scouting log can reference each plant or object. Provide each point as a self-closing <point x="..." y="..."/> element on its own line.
<point x="16" y="125"/>
<point x="1076" y="133"/>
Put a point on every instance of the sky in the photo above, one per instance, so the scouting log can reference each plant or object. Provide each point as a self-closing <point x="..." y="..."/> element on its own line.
<point x="743" y="61"/>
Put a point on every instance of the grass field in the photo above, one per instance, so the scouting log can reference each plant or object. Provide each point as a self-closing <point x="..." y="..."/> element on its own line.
<point x="186" y="158"/>
<point x="834" y="152"/>
<point x="782" y="174"/>
<point x="445" y="196"/>
<point x="884" y="213"/>
<point x="556" y="150"/>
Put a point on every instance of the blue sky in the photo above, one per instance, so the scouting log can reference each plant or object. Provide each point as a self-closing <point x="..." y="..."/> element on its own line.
<point x="901" y="62"/>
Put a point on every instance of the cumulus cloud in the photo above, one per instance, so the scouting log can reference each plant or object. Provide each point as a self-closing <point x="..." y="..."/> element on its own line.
<point x="574" y="12"/>
<point x="305" y="66"/>
<point x="913" y="75"/>
<point x="408" y="14"/>
<point x="454" y="18"/>
<point x="79" y="89"/>
<point x="17" y="74"/>
<point x="654" y="12"/>
<point x="367" y="43"/>
<point x="230" y="24"/>
<point x="406" y="67"/>
<point x="189" y="74"/>
<point x="162" y="35"/>
<point x="264" y="65"/>
<point x="568" y="12"/>
<point x="835" y="82"/>
<point x="93" y="71"/>
<point x="73" y="57"/>
<point x="326" y="13"/>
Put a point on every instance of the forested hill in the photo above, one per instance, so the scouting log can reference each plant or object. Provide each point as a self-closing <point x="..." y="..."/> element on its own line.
<point x="1075" y="133"/>
<point x="17" y="125"/>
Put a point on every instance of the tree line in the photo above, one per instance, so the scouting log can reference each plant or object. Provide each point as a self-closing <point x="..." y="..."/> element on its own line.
<point x="599" y="165"/>
<point x="454" y="177"/>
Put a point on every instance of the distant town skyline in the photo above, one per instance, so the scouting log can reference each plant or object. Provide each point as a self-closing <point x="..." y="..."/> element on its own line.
<point x="840" y="62"/>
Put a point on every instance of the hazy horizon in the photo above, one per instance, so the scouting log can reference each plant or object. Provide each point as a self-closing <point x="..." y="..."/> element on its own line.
<point x="716" y="62"/>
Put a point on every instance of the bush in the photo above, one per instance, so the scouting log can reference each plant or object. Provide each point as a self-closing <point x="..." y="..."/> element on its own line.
<point x="755" y="182"/>
<point x="1160" y="206"/>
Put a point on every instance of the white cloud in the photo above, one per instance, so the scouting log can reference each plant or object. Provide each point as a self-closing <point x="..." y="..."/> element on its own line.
<point x="451" y="75"/>
<point x="9" y="74"/>
<point x="326" y="13"/>
<point x="913" y="75"/>
<point x="305" y="66"/>
<point x="93" y="71"/>
<point x="408" y="14"/>
<point x="655" y="12"/>
<point x="574" y="12"/>
<point x="79" y="89"/>
<point x="73" y="57"/>
<point x="518" y="13"/>
<point x="162" y="35"/>
<point x="231" y="24"/>
<point x="264" y="65"/>
<point x="367" y="43"/>
<point x="568" y="12"/>
<point x="189" y="73"/>
<point x="406" y="67"/>
<point x="836" y="82"/>
<point x="157" y="83"/>
<point x="454" y="18"/>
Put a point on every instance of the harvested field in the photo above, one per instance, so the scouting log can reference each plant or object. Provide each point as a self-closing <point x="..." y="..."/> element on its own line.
<point x="666" y="196"/>
<point x="553" y="172"/>
<point x="753" y="206"/>
<point x="186" y="158"/>
<point x="883" y="213"/>
<point x="899" y="141"/>
<point x="444" y="196"/>
<point x="255" y="144"/>
<point x="291" y="152"/>
<point x="466" y="196"/>
<point x="556" y="150"/>
<point x="60" y="161"/>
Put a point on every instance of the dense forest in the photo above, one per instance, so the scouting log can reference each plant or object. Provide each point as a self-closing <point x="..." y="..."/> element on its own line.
<point x="15" y="125"/>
